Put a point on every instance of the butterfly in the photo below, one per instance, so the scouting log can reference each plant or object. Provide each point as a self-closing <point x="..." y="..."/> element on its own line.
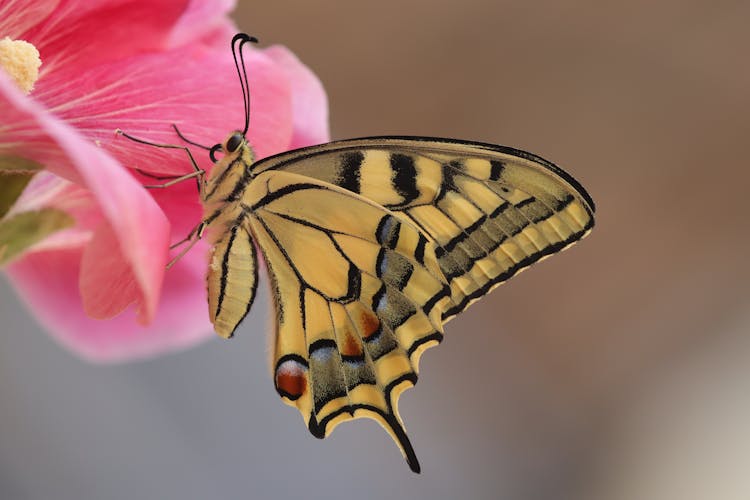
<point x="371" y="245"/>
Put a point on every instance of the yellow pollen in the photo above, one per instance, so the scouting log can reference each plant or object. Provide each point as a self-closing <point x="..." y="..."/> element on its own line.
<point x="21" y="61"/>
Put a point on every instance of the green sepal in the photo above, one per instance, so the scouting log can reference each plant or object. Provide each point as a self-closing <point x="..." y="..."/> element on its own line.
<point x="17" y="164"/>
<point x="22" y="230"/>
<point x="11" y="187"/>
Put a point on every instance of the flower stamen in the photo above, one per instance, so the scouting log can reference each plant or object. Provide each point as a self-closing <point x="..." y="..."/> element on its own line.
<point x="21" y="61"/>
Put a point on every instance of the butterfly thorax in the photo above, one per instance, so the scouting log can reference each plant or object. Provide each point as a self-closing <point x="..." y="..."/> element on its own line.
<point x="226" y="183"/>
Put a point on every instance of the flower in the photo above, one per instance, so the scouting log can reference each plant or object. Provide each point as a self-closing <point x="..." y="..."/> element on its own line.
<point x="99" y="284"/>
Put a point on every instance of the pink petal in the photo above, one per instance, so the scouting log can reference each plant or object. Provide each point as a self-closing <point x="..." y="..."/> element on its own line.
<point x="44" y="190"/>
<point x="47" y="190"/>
<point x="195" y="88"/>
<point x="18" y="16"/>
<point x="202" y="19"/>
<point x="309" y="100"/>
<point x="107" y="282"/>
<point x="84" y="33"/>
<point x="48" y="283"/>
<point x="141" y="228"/>
<point x="221" y="35"/>
<point x="20" y="125"/>
<point x="182" y="207"/>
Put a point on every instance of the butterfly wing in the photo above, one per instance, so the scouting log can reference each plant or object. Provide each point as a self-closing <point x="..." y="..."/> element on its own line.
<point x="492" y="210"/>
<point x="359" y="296"/>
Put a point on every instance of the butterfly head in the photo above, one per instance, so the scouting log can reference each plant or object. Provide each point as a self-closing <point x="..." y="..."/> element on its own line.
<point x="235" y="147"/>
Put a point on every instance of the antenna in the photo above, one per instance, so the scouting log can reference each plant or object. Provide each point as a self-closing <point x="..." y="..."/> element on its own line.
<point x="238" y="41"/>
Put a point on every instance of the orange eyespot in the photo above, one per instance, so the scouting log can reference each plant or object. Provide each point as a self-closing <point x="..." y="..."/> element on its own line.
<point x="291" y="377"/>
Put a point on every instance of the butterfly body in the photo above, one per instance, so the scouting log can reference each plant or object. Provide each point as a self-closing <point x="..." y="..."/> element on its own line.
<point x="370" y="246"/>
<point x="230" y="284"/>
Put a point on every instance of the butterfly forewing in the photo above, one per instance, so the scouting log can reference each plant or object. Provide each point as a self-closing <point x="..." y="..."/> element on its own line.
<point x="493" y="211"/>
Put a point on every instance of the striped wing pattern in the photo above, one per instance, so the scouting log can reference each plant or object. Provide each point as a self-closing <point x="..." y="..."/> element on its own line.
<point x="359" y="296"/>
<point x="493" y="211"/>
<point x="371" y="245"/>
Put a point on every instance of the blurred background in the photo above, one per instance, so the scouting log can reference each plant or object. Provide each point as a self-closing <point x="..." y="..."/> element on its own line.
<point x="617" y="370"/>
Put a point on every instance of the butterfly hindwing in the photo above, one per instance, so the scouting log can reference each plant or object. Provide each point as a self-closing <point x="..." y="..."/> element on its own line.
<point x="359" y="296"/>
<point x="493" y="211"/>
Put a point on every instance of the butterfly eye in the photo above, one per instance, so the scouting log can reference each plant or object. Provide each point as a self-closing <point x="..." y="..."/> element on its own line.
<point x="234" y="142"/>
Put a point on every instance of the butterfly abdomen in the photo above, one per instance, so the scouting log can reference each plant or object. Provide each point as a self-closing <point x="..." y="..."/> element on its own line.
<point x="232" y="276"/>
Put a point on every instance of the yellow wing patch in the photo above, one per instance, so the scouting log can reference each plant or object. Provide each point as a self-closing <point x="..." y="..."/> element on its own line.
<point x="492" y="210"/>
<point x="371" y="245"/>
<point x="359" y="297"/>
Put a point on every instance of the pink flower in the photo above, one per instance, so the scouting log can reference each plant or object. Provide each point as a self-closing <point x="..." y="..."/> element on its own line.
<point x="100" y="287"/>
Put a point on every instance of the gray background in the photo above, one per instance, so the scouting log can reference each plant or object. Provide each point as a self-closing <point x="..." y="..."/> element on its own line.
<point x="617" y="370"/>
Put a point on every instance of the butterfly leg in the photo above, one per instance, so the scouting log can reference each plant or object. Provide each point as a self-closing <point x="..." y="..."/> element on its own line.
<point x="179" y="134"/>
<point x="191" y="239"/>
<point x="154" y="176"/>
<point x="197" y="232"/>
<point x="197" y="172"/>
<point x="176" y="180"/>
